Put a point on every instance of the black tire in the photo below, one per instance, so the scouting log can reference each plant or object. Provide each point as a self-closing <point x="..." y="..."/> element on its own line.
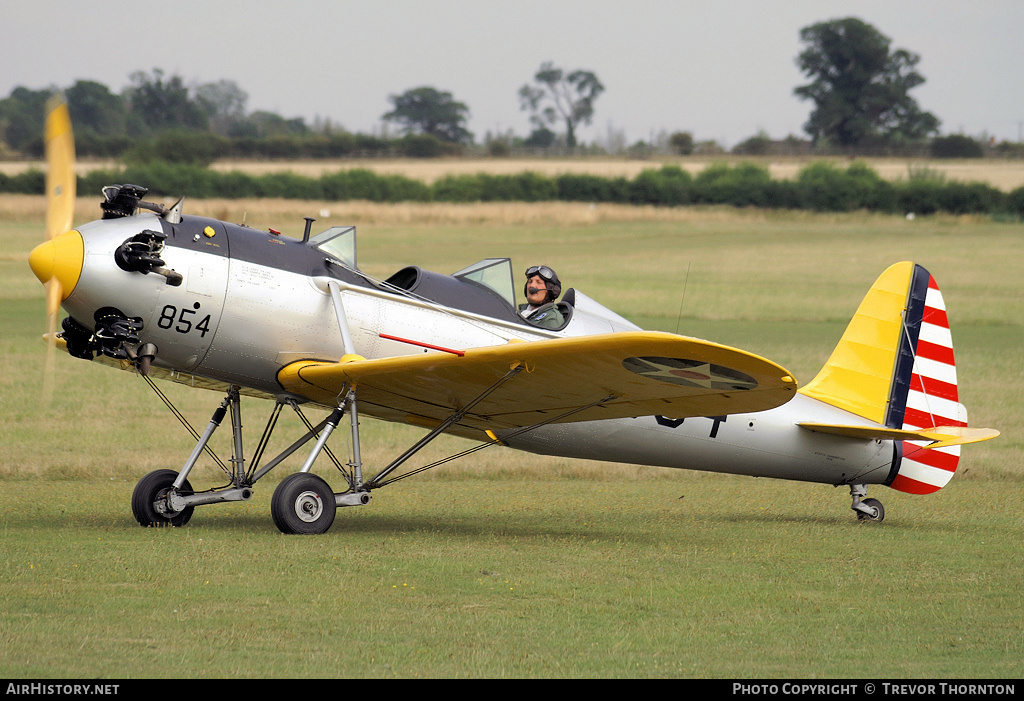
<point x="879" y="511"/>
<point x="151" y="489"/>
<point x="303" y="504"/>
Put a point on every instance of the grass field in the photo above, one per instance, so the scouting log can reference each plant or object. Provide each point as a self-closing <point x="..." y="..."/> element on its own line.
<point x="510" y="565"/>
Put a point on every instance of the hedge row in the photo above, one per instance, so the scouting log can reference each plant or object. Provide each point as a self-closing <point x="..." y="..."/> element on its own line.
<point x="819" y="187"/>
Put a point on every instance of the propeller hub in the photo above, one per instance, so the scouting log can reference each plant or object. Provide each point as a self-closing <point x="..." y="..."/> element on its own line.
<point x="59" y="259"/>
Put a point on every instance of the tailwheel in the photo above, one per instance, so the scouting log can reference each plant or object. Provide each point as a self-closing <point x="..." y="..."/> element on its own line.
<point x="303" y="504"/>
<point x="150" y="505"/>
<point x="866" y="509"/>
<point x="872" y="512"/>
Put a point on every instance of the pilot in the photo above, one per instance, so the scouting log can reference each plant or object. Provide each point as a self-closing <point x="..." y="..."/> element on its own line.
<point x="542" y="289"/>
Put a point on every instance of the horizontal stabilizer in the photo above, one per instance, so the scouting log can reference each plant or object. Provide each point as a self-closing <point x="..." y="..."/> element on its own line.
<point x="938" y="436"/>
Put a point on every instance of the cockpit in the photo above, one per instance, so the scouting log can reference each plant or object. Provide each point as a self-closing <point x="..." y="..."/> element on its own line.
<point x="486" y="287"/>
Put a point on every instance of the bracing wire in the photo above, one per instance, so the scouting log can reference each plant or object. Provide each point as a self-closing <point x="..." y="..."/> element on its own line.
<point x="468" y="451"/>
<point x="184" y="422"/>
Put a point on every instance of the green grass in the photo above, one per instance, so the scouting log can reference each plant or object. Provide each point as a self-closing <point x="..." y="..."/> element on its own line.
<point x="688" y="577"/>
<point x="511" y="565"/>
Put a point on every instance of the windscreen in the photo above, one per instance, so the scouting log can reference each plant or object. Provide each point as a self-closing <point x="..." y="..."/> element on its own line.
<point x="339" y="242"/>
<point x="493" y="273"/>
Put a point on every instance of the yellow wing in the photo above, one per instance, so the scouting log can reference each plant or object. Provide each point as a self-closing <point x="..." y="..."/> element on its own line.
<point x="583" y="378"/>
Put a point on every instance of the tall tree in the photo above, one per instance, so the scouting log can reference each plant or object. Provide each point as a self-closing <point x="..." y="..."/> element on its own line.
<point x="859" y="87"/>
<point x="164" y="104"/>
<point x="426" y="110"/>
<point x="224" y="104"/>
<point x="557" y="95"/>
<point x="93" y="107"/>
<point x="21" y="115"/>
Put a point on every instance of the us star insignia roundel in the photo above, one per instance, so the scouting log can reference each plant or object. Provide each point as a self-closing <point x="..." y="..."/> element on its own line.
<point x="690" y="373"/>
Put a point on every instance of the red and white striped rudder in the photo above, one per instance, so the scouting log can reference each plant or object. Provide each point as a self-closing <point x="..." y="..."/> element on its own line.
<point x="926" y="395"/>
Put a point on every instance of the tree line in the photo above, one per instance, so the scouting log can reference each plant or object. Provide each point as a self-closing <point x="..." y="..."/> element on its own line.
<point x="820" y="186"/>
<point x="162" y="118"/>
<point x="858" y="84"/>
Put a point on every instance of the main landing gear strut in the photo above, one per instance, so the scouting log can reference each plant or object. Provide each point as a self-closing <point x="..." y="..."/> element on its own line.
<point x="303" y="502"/>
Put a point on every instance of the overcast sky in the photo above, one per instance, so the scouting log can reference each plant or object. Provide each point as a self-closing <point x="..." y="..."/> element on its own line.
<point x="723" y="70"/>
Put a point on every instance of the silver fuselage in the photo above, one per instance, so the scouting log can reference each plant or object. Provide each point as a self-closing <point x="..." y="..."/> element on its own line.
<point x="252" y="302"/>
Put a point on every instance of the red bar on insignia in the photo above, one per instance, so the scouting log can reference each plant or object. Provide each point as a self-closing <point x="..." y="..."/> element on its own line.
<point x="422" y="345"/>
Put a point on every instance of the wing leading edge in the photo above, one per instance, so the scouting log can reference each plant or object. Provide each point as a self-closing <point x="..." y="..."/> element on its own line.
<point x="585" y="378"/>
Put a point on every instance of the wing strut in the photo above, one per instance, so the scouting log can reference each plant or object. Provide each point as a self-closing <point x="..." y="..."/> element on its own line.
<point x="493" y="441"/>
<point x="339" y="311"/>
<point x="356" y="482"/>
<point x="444" y="425"/>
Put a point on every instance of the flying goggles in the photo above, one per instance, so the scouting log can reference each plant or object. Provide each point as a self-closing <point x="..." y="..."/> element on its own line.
<point x="549" y="276"/>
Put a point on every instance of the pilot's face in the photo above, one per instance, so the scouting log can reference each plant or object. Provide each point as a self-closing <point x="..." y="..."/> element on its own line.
<point x="536" y="283"/>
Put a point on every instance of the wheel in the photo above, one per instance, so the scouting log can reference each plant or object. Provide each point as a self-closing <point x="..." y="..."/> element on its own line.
<point x="148" y="503"/>
<point x="874" y="504"/>
<point x="304" y="504"/>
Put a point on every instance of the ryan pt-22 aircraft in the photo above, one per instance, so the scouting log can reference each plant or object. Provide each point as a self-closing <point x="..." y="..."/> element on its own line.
<point x="158" y="293"/>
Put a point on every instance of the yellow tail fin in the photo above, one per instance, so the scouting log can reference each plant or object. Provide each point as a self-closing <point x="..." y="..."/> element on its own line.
<point x="894" y="366"/>
<point x="858" y="377"/>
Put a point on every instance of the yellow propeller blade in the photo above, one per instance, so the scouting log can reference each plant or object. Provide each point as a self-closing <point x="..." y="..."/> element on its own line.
<point x="54" y="293"/>
<point x="60" y="168"/>
<point x="60" y="212"/>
